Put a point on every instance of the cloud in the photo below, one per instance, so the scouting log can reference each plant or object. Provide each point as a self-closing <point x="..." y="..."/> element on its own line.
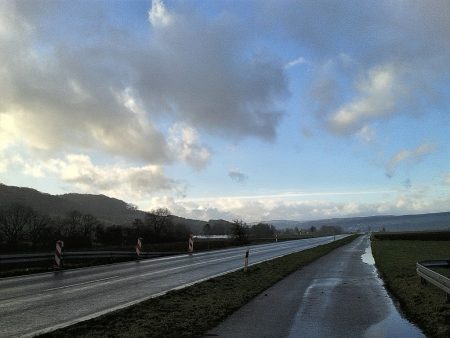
<point x="407" y="183"/>
<point x="272" y="208"/>
<point x="369" y="62"/>
<point x="377" y="96"/>
<point x="446" y="179"/>
<point x="366" y="134"/>
<point x="414" y="156"/>
<point x="237" y="176"/>
<point x="129" y="183"/>
<point x="298" y="61"/>
<point x="208" y="82"/>
<point x="82" y="81"/>
<point x="184" y="144"/>
<point x="158" y="15"/>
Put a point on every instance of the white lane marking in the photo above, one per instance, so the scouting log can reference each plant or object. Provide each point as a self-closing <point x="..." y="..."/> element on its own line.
<point x="77" y="284"/>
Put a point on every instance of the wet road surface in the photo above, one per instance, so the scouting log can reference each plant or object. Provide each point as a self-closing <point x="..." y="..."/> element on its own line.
<point x="42" y="302"/>
<point x="339" y="295"/>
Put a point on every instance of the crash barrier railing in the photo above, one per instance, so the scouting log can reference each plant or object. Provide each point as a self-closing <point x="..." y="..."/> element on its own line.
<point x="433" y="277"/>
<point x="25" y="258"/>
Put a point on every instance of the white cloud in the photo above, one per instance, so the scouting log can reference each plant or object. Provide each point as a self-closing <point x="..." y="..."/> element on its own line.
<point x="367" y="134"/>
<point x="184" y="144"/>
<point x="378" y="94"/>
<point x="269" y="208"/>
<point x="370" y="62"/>
<point x="87" y="86"/>
<point x="158" y="14"/>
<point x="415" y="155"/>
<point x="298" y="61"/>
<point x="130" y="183"/>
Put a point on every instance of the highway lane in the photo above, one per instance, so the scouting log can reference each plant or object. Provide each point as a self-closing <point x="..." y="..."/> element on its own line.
<point x="39" y="303"/>
<point x="338" y="295"/>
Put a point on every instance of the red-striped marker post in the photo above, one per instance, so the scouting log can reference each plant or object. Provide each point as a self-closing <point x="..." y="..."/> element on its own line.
<point x="59" y="254"/>
<point x="191" y="244"/>
<point x="139" y="247"/>
<point x="246" y="260"/>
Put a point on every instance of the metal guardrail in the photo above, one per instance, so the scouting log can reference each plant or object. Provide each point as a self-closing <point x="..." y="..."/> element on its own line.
<point x="433" y="277"/>
<point x="48" y="256"/>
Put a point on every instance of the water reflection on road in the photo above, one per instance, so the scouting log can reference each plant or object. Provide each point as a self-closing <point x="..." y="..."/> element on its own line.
<point x="394" y="325"/>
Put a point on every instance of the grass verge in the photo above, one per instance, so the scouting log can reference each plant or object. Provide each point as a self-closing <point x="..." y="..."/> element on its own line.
<point x="423" y="305"/>
<point x="192" y="311"/>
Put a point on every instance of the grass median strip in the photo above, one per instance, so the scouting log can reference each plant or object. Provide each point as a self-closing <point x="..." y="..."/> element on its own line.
<point x="423" y="304"/>
<point x="192" y="311"/>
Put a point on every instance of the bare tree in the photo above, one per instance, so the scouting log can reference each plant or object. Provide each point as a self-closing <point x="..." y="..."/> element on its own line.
<point x="13" y="221"/>
<point x="159" y="220"/>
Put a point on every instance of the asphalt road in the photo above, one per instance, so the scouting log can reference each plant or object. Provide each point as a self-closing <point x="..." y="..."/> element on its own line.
<point x="339" y="295"/>
<point x="44" y="302"/>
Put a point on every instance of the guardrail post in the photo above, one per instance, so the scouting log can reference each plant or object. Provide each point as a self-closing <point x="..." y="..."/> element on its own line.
<point x="246" y="260"/>
<point x="191" y="244"/>
<point x="139" y="247"/>
<point x="59" y="264"/>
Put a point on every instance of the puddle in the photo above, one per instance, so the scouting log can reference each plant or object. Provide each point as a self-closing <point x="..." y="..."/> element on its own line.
<point x="367" y="256"/>
<point x="394" y="325"/>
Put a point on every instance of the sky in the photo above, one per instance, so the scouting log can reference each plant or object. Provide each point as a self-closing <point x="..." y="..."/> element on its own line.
<point x="252" y="110"/>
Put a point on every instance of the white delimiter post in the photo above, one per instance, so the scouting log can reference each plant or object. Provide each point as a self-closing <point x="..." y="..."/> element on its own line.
<point x="59" y="254"/>
<point x="191" y="244"/>
<point x="246" y="260"/>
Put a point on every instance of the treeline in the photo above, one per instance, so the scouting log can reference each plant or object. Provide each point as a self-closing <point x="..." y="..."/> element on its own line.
<point x="21" y="228"/>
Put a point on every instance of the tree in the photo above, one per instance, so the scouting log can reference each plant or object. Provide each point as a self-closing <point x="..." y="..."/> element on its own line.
<point x="78" y="228"/>
<point x="207" y="229"/>
<point x="160" y="222"/>
<point x="13" y="222"/>
<point x="262" y="230"/>
<point x="240" y="231"/>
<point x="39" y="230"/>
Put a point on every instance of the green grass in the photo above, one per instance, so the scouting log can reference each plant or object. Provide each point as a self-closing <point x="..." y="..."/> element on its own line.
<point x="423" y="304"/>
<point x="192" y="311"/>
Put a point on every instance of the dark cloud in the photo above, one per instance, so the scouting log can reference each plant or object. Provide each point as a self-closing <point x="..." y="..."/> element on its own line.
<point x="237" y="176"/>
<point x="72" y="78"/>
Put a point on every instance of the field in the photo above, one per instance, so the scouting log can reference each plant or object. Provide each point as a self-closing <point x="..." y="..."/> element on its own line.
<point x="423" y="304"/>
<point x="192" y="311"/>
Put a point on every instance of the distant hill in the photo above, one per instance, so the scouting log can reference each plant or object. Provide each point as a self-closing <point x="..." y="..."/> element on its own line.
<point x="108" y="210"/>
<point x="115" y="211"/>
<point x="433" y="221"/>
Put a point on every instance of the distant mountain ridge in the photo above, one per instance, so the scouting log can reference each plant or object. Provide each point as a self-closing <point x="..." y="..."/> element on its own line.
<point x="107" y="209"/>
<point x="432" y="221"/>
<point x="114" y="211"/>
